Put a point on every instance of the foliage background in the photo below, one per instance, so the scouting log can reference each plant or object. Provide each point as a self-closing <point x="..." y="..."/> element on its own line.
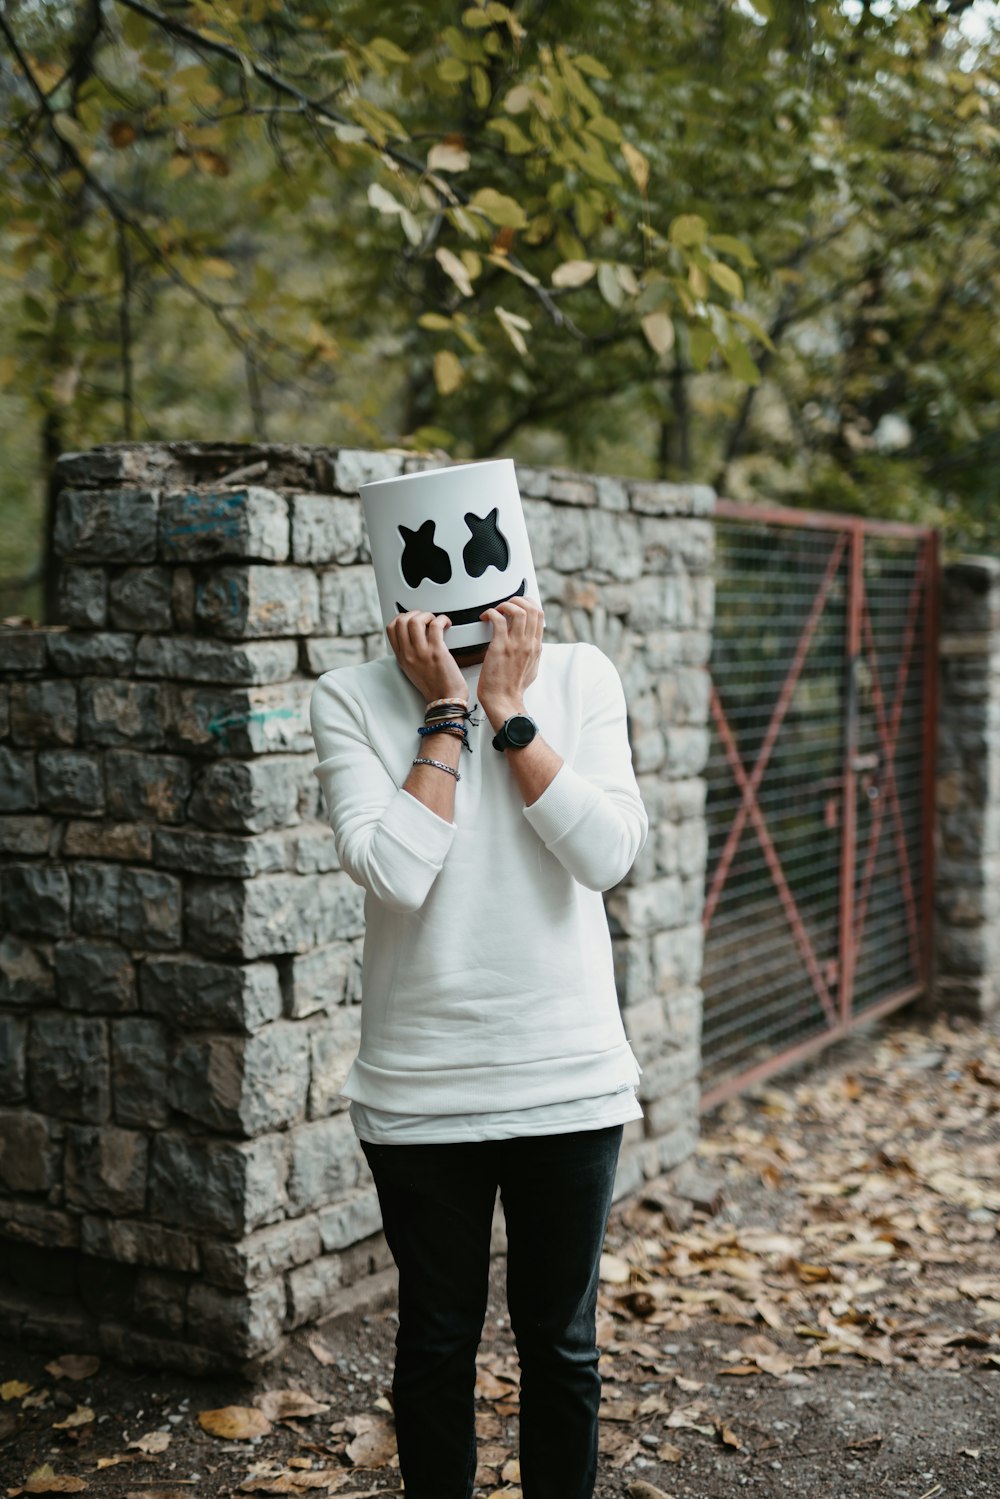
<point x="753" y="242"/>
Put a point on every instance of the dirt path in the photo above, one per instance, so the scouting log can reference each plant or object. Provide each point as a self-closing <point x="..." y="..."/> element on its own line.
<point x="828" y="1328"/>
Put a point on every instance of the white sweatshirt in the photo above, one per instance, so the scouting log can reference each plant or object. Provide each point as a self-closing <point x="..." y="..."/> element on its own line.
<point x="487" y="977"/>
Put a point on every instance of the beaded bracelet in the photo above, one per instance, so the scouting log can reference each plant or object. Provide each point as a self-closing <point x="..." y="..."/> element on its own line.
<point x="438" y="727"/>
<point x="438" y="764"/>
<point x="455" y="731"/>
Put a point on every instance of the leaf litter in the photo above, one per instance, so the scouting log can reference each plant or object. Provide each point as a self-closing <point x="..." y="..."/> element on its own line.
<point x="844" y="1220"/>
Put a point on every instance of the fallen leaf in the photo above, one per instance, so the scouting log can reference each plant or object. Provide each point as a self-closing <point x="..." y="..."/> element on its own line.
<point x="44" y="1481"/>
<point x="73" y="1366"/>
<point x="295" y="1483"/>
<point x="615" y="1271"/>
<point x="668" y="1453"/>
<point x="644" y="1490"/>
<point x="152" y="1442"/>
<point x="235" y="1423"/>
<point x="82" y="1416"/>
<point x="277" y="1405"/>
<point x="728" y="1437"/>
<point x="374" y="1446"/>
<point x="320" y="1351"/>
<point x="113" y="1462"/>
<point x="13" y="1389"/>
<point x="36" y="1398"/>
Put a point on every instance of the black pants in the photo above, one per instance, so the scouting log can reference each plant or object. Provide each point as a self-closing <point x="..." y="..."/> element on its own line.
<point x="437" y="1207"/>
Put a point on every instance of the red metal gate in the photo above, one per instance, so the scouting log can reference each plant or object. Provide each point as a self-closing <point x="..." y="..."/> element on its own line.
<point x="819" y="884"/>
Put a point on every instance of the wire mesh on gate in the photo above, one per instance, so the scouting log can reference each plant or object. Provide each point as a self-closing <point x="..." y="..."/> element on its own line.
<point x="801" y="723"/>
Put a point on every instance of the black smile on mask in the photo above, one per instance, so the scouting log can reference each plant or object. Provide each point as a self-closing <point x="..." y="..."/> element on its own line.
<point x="471" y="616"/>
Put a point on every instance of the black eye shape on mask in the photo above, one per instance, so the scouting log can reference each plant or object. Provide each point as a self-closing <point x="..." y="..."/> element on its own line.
<point x="422" y="557"/>
<point x="488" y="547"/>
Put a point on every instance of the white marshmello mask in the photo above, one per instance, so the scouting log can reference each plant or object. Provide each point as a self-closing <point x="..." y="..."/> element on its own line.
<point x="452" y="541"/>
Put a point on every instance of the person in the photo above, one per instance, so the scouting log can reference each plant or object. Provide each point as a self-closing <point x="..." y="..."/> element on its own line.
<point x="493" y="1055"/>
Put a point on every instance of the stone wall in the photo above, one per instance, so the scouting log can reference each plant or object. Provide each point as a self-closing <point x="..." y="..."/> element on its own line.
<point x="967" y="885"/>
<point x="179" y="958"/>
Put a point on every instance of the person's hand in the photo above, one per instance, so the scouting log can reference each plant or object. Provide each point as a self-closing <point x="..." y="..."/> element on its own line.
<point x="417" y="641"/>
<point x="511" y="662"/>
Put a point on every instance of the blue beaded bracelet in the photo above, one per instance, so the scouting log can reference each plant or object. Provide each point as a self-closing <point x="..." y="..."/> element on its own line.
<point x="456" y="730"/>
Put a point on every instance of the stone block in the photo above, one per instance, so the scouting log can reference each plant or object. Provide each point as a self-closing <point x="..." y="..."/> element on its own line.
<point x="106" y="1169"/>
<point x="245" y="1085"/>
<point x="263" y="1255"/>
<point x="141" y="786"/>
<point x="29" y="1159"/>
<point x="320" y="979"/>
<point x="13" y="1036"/>
<point x="653" y="907"/>
<point x="139" y="1060"/>
<point x="567" y="488"/>
<point x="96" y="891"/>
<point x="36" y="899"/>
<point x="687" y="750"/>
<point x="325" y="1163"/>
<point x="274" y="914"/>
<point x="351" y="1221"/>
<point x="106" y="525"/>
<point x="18" y="785"/>
<point x="199" y="659"/>
<point x="96" y="976"/>
<point x="677" y="957"/>
<point x="315" y="849"/>
<point x="82" y="596"/>
<point x="226" y="854"/>
<point x="22" y="649"/>
<point x="192" y="992"/>
<point x="117" y="712"/>
<point x="222" y="1186"/>
<point x="311" y="1287"/>
<point x="239" y="721"/>
<point x="243" y="1324"/>
<point x="149" y="909"/>
<point x="320" y="653"/>
<point x="611" y="493"/>
<point x="326" y="528"/>
<point x="650" y="497"/>
<point x="159" y="1302"/>
<point x="333" y="1047"/>
<point x="131" y="1243"/>
<point x="102" y="653"/>
<point x="123" y="841"/>
<point x="23" y="834"/>
<point x="676" y="1108"/>
<point x="633" y="958"/>
<point x="200" y="525"/>
<point x="570" y="540"/>
<point x="615" y="546"/>
<point x="139" y="598"/>
<point x="68" y="1070"/>
<point x="249" y="796"/>
<point x="43" y="712"/>
<point x="349" y="601"/>
<point x="69" y="781"/>
<point x="49" y="1228"/>
<point x="356" y="466"/>
<point x="257" y="600"/>
<point x="27" y="977"/>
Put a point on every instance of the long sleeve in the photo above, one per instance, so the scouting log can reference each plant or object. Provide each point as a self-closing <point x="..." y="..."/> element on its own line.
<point x="387" y="841"/>
<point x="591" y="815"/>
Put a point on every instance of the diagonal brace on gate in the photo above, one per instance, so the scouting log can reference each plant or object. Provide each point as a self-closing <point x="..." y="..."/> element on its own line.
<point x="750" y="786"/>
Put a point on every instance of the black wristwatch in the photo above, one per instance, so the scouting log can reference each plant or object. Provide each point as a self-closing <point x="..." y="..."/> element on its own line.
<point x="515" y="732"/>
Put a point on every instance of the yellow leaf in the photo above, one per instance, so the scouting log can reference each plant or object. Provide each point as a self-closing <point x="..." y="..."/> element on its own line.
<point x="659" y="330"/>
<point x="217" y="267"/>
<point x="82" y="1416"/>
<point x="448" y="371"/>
<point x="235" y="1423"/>
<point x="723" y="275"/>
<point x="688" y="229"/>
<point x="178" y="164"/>
<point x="13" y="1389"/>
<point x="573" y="273"/>
<point x="637" y="164"/>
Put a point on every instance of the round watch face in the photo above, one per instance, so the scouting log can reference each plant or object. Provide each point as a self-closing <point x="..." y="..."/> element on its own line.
<point x="520" y="731"/>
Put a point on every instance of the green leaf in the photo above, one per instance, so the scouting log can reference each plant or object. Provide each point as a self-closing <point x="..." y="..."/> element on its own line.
<point x="688" y="229"/>
<point x="702" y="346"/>
<point x="435" y="322"/>
<point x="588" y="64"/>
<point x="499" y="209"/>
<point x="737" y="356"/>
<point x="383" y="47"/>
<point x="610" y="287"/>
<point x="658" y="328"/>
<point x="514" y="138"/>
<point x="728" y="244"/>
<point x="723" y="275"/>
<point x="452" y="70"/>
<point x="515" y="327"/>
<point x="453" y="267"/>
<point x="475" y="18"/>
<point x="481" y="90"/>
<point x="573" y="273"/>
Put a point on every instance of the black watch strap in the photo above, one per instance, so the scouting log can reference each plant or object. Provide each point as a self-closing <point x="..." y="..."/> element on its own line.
<point x="523" y="731"/>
